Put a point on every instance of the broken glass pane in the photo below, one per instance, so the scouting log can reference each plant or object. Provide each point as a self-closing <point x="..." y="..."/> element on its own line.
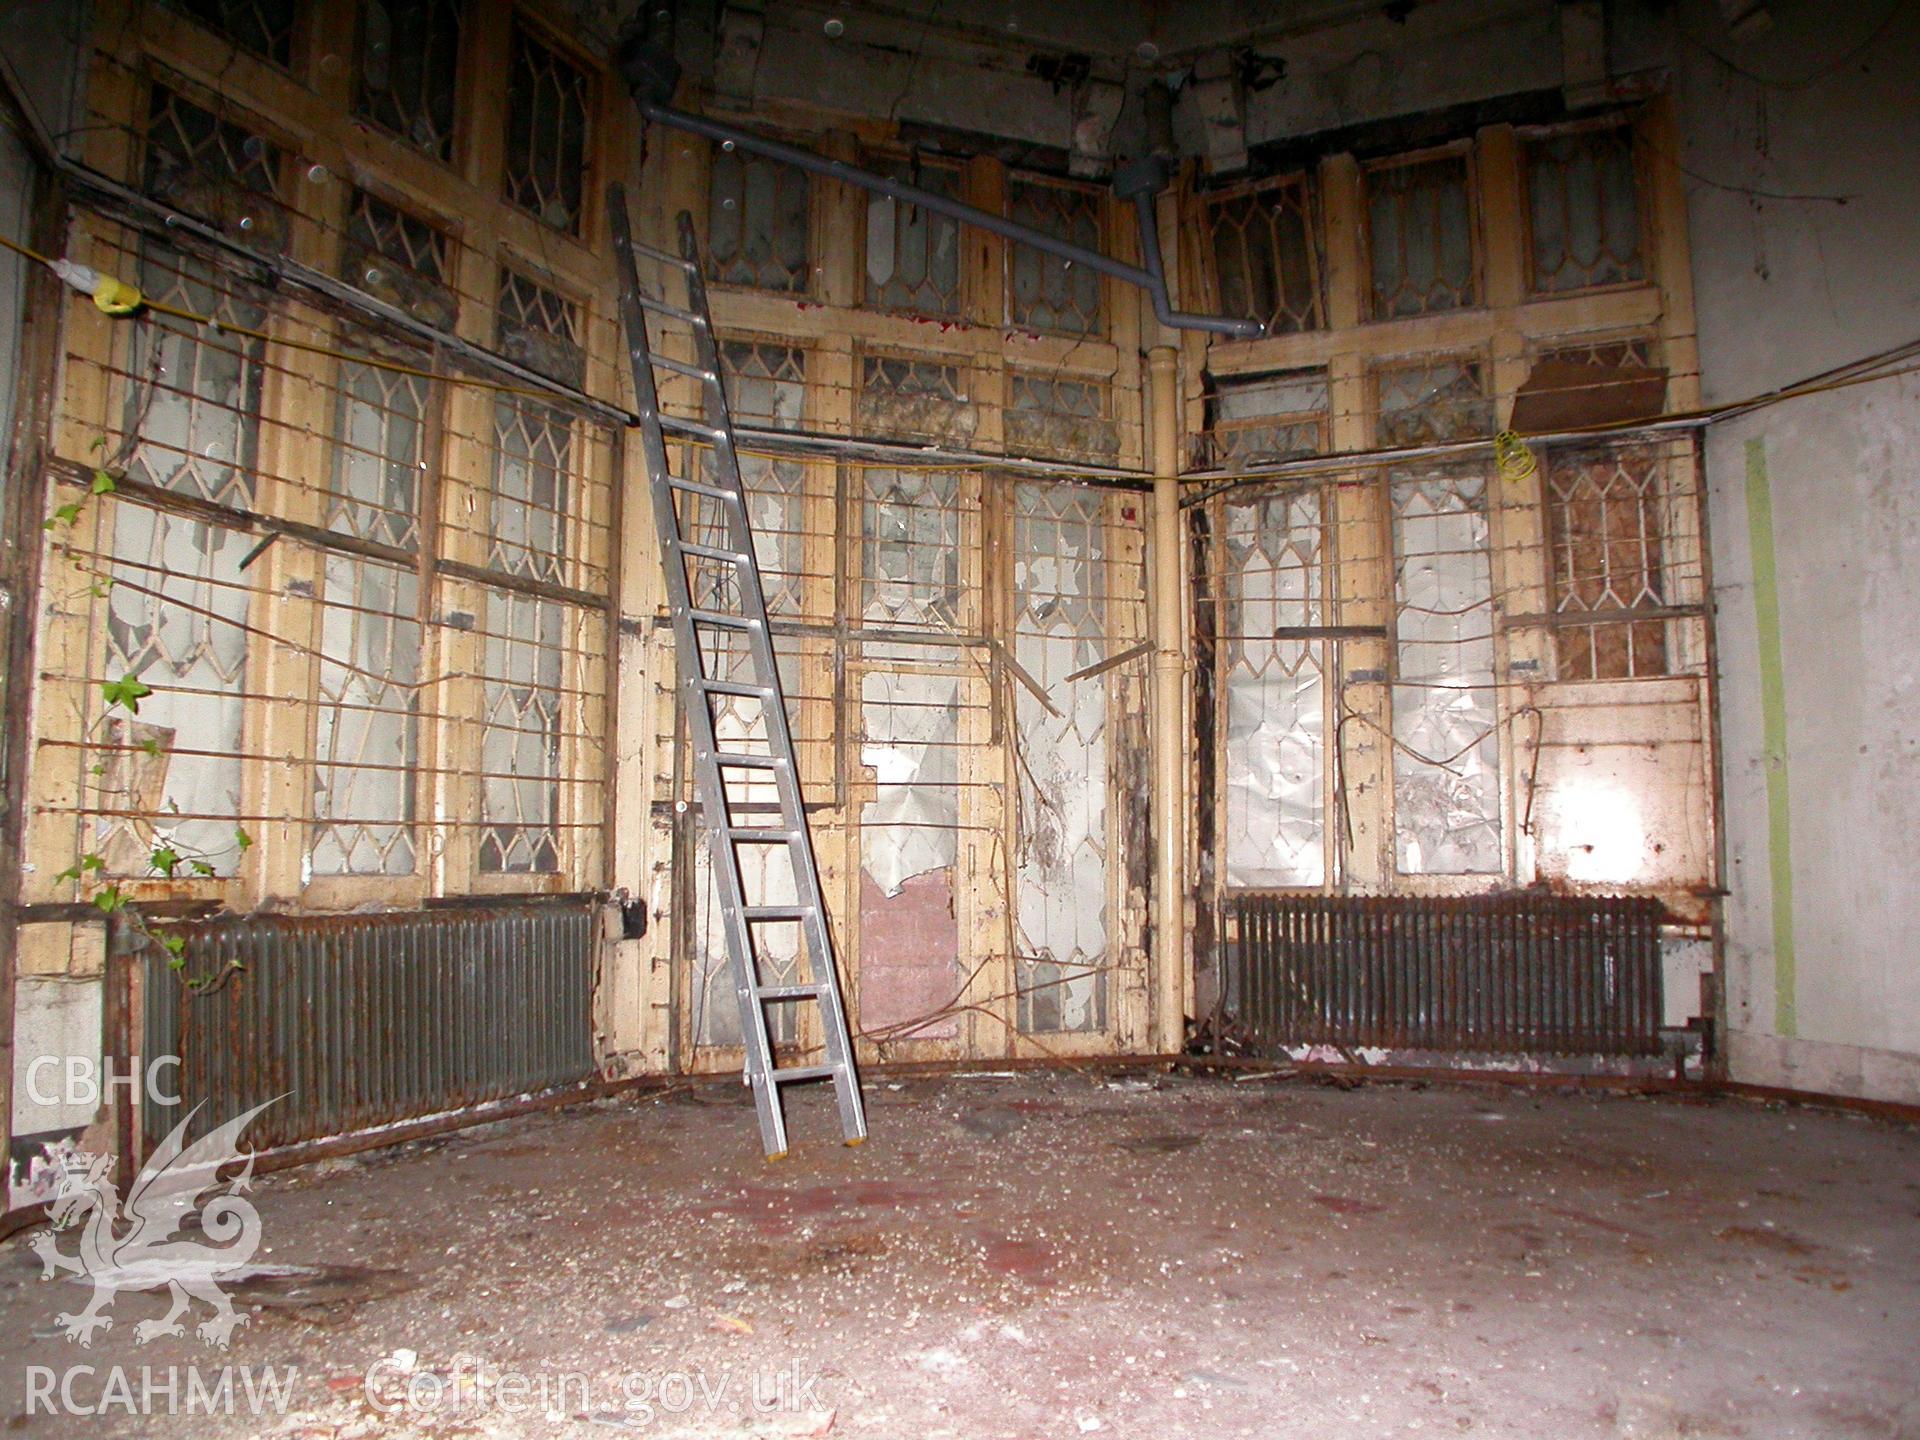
<point x="1442" y="399"/>
<point x="1252" y="419"/>
<point x="913" y="254"/>
<point x="1059" y="578"/>
<point x="1275" y="691"/>
<point x="1446" y="762"/>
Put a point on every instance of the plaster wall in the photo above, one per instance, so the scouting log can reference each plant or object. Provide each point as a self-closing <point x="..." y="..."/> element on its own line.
<point x="1815" y="516"/>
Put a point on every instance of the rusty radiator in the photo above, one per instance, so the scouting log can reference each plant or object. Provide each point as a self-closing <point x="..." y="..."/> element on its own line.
<point x="1517" y="973"/>
<point x="360" y="1021"/>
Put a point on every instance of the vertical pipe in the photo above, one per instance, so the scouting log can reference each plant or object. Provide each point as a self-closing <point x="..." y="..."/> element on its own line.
<point x="1169" y="728"/>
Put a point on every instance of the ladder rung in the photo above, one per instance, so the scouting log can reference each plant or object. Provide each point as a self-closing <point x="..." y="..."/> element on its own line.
<point x="722" y="619"/>
<point x="734" y="687"/>
<point x="712" y="552"/>
<point x="802" y="1072"/>
<point x="775" y="912"/>
<point x="760" y="836"/>
<point x="790" y="992"/>
<point x="696" y="428"/>
<point x="665" y="257"/>
<point x="747" y="760"/>
<point x="661" y="307"/>
<point x="700" y="487"/>
<point x="685" y="367"/>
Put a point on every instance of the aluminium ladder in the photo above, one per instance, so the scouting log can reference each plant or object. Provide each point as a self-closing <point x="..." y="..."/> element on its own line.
<point x="745" y="619"/>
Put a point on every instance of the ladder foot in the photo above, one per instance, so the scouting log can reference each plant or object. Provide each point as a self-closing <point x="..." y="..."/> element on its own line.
<point x="776" y="1155"/>
<point x="856" y="1140"/>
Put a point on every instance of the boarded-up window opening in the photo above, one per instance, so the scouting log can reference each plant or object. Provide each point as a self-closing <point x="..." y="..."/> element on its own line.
<point x="1060" y="626"/>
<point x="1446" y="761"/>
<point x="262" y="27"/>
<point x="399" y="258"/>
<point x="1433" y="400"/>
<point x="1420" y="236"/>
<point x="1060" y="419"/>
<point x="1252" y="419"/>
<point x="409" y="69"/>
<point x="1046" y="292"/>
<point x="757" y="222"/>
<point x="1276" y="557"/>
<point x="549" y="114"/>
<point x="1266" y="259"/>
<point x="1583" y="209"/>
<point x="913" y="254"/>
<point x="1604" y="520"/>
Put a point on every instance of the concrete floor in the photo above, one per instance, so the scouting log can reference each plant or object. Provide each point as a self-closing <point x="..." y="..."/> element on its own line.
<point x="1063" y="1255"/>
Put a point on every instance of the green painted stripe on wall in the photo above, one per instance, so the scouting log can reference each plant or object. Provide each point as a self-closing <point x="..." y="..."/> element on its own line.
<point x="1773" y="715"/>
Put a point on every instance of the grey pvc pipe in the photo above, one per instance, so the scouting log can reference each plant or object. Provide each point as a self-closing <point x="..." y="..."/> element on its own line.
<point x="1152" y="278"/>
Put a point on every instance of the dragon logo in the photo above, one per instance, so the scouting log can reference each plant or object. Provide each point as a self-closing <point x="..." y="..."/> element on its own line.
<point x="136" y="1247"/>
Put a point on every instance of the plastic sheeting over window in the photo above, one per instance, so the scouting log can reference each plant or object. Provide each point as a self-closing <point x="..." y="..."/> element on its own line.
<point x="1275" y="691"/>
<point x="1446" y="764"/>
<point x="1059" y="580"/>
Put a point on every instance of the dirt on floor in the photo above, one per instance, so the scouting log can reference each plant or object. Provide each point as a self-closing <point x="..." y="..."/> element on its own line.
<point x="1045" y="1255"/>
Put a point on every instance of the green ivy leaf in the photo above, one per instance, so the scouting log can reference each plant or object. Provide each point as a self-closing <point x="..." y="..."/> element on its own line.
<point x="175" y="944"/>
<point x="103" y="483"/>
<point x="178" y="962"/>
<point x="98" y="443"/>
<point x="92" y="862"/>
<point x="242" y="839"/>
<point x="127" y="691"/>
<point x="201" y="867"/>
<point x="72" y="872"/>
<point x="97" y="769"/>
<point x="165" y="859"/>
<point x="65" y="514"/>
<point x="110" y="900"/>
<point x="149" y="746"/>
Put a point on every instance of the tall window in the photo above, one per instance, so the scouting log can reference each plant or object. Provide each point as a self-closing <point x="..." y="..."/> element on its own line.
<point x="366" y="741"/>
<point x="913" y="254"/>
<point x="549" y="117"/>
<point x="1583" y="209"/>
<point x="1276" y="553"/>
<point x="757" y="222"/>
<point x="1266" y="263"/>
<point x="1060" y="627"/>
<point x="1420" y="236"/>
<point x="409" y="69"/>
<point x="1446" y="761"/>
<point x="527" y="635"/>
<point x="1044" y="291"/>
<point x="180" y="603"/>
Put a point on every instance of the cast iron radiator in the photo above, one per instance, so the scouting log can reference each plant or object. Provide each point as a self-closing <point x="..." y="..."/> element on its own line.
<point x="363" y="1020"/>
<point x="1521" y="973"/>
